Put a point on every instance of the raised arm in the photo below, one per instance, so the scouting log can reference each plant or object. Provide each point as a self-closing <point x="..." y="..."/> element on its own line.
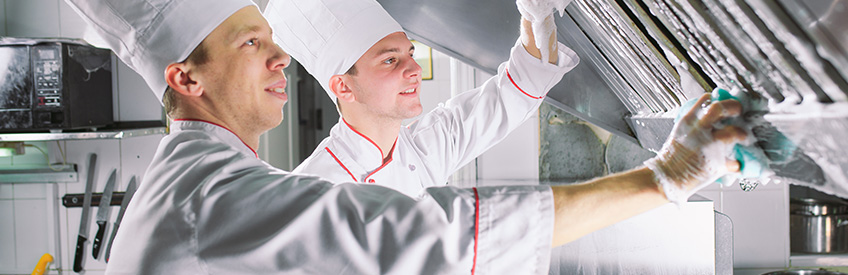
<point x="538" y="30"/>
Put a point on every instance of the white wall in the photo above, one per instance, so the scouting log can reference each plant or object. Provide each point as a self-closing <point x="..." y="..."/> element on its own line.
<point x="514" y="158"/>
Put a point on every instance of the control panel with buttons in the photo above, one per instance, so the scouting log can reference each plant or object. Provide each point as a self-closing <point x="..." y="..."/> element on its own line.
<point x="48" y="82"/>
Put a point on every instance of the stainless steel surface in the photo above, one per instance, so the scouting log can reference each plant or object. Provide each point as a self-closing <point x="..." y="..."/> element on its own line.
<point x="820" y="135"/>
<point x="106" y="199"/>
<point x="649" y="76"/>
<point x="131" y="187"/>
<point x="82" y="237"/>
<point x="767" y="48"/>
<point x="481" y="36"/>
<point x="820" y="162"/>
<point x="818" y="226"/>
<point x="793" y="53"/>
<point x="817" y="207"/>
<point x="119" y="134"/>
<point x="804" y="272"/>
<point x="89" y="185"/>
<point x="799" y="259"/>
<point x="778" y="20"/>
<point x="39" y="173"/>
<point x="596" y="73"/>
<point x="724" y="244"/>
<point x="824" y="22"/>
<point x="103" y="210"/>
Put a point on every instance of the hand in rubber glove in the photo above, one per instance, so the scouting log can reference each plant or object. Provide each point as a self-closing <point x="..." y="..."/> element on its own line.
<point x="540" y="15"/>
<point x="697" y="153"/>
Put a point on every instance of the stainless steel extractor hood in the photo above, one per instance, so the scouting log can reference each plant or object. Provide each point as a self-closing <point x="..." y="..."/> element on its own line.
<point x="634" y="53"/>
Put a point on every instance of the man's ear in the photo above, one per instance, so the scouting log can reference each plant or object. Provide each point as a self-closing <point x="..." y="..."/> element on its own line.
<point x="178" y="78"/>
<point x="339" y="86"/>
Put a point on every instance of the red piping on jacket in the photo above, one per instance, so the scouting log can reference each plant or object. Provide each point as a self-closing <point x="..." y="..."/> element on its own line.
<point x="365" y="180"/>
<point x="225" y="128"/>
<point x="366" y="138"/>
<point x="476" y="227"/>
<point x="340" y="163"/>
<point x="519" y="88"/>
<point x="391" y="157"/>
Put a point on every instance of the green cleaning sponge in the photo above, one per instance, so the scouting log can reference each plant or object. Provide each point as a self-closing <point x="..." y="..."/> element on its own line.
<point x="753" y="161"/>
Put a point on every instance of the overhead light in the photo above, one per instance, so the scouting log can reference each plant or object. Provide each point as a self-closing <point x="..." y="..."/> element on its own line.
<point x="13" y="148"/>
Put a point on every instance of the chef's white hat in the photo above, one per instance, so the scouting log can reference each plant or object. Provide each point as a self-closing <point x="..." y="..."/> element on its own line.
<point x="328" y="36"/>
<point x="149" y="35"/>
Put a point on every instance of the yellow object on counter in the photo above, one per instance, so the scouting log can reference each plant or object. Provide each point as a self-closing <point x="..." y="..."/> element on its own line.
<point x="41" y="267"/>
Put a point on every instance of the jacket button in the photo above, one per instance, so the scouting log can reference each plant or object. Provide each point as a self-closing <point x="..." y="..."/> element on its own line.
<point x="411" y="167"/>
<point x="371" y="181"/>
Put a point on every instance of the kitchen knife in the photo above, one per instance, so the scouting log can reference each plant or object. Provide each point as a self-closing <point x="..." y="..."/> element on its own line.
<point x="127" y="196"/>
<point x="103" y="213"/>
<point x="86" y="203"/>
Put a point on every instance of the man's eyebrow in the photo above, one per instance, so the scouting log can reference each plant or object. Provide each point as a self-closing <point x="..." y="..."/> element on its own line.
<point x="393" y="50"/>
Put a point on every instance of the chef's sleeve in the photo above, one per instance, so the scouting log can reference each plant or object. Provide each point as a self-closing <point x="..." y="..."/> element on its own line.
<point x="267" y="221"/>
<point x="465" y="126"/>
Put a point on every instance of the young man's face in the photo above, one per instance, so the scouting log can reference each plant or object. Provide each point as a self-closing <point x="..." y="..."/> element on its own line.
<point x="243" y="78"/>
<point x="387" y="79"/>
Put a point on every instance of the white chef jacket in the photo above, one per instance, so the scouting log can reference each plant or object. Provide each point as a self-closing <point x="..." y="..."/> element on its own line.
<point x="208" y="205"/>
<point x="427" y="152"/>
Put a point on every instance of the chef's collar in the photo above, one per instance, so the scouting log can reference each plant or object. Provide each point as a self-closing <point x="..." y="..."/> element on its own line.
<point x="149" y="35"/>
<point x="221" y="132"/>
<point x="328" y="36"/>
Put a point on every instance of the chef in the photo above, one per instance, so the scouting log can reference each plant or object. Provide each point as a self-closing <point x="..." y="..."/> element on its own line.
<point x="208" y="205"/>
<point x="363" y="60"/>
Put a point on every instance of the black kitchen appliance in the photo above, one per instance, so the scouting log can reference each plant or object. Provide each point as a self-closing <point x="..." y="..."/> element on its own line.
<point x="53" y="84"/>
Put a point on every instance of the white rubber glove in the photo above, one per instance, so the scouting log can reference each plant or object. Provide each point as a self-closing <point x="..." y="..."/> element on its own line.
<point x="540" y="14"/>
<point x="697" y="153"/>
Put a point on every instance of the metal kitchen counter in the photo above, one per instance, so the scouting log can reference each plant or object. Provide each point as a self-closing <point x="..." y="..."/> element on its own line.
<point x="104" y="134"/>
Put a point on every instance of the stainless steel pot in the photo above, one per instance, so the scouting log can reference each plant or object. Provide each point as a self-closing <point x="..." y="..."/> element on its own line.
<point x="804" y="272"/>
<point x="818" y="226"/>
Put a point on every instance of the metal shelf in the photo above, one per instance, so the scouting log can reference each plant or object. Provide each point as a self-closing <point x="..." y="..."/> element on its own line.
<point x="104" y="134"/>
<point x="802" y="260"/>
<point x="38" y="173"/>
